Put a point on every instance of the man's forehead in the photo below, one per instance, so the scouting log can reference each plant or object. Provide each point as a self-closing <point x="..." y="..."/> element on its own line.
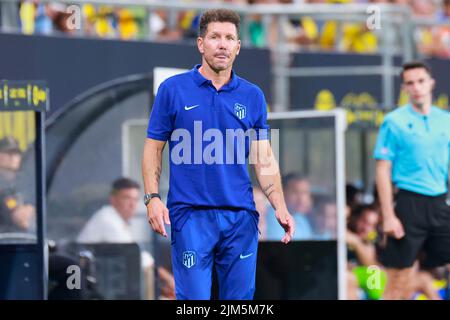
<point x="222" y="27"/>
<point x="416" y="73"/>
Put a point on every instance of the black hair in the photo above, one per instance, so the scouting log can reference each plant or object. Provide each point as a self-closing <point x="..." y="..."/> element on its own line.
<point x="124" y="183"/>
<point x="293" y="176"/>
<point x="218" y="15"/>
<point x="357" y="213"/>
<point x="415" y="65"/>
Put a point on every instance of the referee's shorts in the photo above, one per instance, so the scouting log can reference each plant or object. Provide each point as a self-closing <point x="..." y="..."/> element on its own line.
<point x="426" y="221"/>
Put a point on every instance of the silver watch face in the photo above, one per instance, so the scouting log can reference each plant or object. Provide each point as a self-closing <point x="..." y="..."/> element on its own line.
<point x="147" y="198"/>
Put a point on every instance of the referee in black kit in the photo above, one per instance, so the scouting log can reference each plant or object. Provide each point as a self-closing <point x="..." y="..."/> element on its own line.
<point x="412" y="152"/>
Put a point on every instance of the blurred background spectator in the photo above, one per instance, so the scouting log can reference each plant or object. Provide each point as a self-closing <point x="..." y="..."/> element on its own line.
<point x="297" y="193"/>
<point x="16" y="215"/>
<point x="111" y="224"/>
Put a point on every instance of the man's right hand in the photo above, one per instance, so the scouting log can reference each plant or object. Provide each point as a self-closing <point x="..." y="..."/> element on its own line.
<point x="393" y="227"/>
<point x="158" y="214"/>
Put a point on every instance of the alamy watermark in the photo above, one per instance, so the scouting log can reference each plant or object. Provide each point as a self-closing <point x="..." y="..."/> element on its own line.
<point x="234" y="146"/>
<point x="74" y="20"/>
<point x="373" y="21"/>
<point x="374" y="278"/>
<point x="74" y="279"/>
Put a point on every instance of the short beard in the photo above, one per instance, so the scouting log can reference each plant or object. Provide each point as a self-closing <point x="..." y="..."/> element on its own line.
<point x="213" y="68"/>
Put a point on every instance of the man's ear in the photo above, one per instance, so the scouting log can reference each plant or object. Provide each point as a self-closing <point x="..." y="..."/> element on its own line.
<point x="200" y="45"/>
<point x="433" y="83"/>
<point x="112" y="199"/>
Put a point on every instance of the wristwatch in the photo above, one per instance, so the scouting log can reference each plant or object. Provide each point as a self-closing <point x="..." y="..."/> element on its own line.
<point x="150" y="196"/>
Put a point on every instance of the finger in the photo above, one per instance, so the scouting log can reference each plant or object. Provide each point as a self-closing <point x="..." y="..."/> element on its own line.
<point x="166" y="216"/>
<point x="286" y="238"/>
<point x="152" y="224"/>
<point x="400" y="233"/>
<point x="155" y="225"/>
<point x="161" y="227"/>
<point x="292" y="228"/>
<point x="287" y="224"/>
<point x="389" y="233"/>
<point x="396" y="233"/>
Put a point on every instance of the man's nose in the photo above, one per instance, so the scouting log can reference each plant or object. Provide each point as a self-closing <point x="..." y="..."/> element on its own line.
<point x="222" y="43"/>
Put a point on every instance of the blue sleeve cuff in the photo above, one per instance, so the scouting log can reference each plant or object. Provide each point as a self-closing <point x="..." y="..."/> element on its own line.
<point x="156" y="136"/>
<point x="261" y="134"/>
<point x="380" y="156"/>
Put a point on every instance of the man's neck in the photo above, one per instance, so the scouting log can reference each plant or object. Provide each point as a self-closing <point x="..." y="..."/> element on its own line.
<point x="423" y="108"/>
<point x="218" y="78"/>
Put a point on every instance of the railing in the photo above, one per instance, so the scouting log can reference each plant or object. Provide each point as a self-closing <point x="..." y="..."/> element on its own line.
<point x="394" y="31"/>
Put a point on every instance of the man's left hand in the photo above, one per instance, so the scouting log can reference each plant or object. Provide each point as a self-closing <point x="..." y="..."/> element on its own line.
<point x="287" y="223"/>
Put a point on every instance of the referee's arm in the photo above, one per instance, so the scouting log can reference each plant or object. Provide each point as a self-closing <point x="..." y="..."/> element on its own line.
<point x="268" y="175"/>
<point x="391" y="224"/>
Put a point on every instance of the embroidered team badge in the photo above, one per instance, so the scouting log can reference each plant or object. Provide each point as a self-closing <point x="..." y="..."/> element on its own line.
<point x="189" y="259"/>
<point x="240" y="110"/>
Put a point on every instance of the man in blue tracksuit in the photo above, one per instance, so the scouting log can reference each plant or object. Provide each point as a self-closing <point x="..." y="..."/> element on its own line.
<point x="413" y="153"/>
<point x="215" y="123"/>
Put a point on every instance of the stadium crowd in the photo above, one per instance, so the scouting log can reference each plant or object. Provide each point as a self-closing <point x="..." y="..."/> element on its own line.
<point x="303" y="33"/>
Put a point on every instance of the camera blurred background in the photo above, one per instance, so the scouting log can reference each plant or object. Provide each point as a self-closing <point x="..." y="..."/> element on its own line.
<point x="330" y="72"/>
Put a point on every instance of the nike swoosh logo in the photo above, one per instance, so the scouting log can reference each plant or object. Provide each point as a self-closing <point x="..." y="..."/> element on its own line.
<point x="246" y="256"/>
<point x="191" y="107"/>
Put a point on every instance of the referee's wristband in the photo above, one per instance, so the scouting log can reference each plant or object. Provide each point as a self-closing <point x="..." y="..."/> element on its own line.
<point x="150" y="196"/>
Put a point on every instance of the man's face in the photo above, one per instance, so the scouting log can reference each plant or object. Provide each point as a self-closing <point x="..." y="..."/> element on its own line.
<point x="220" y="45"/>
<point x="330" y="214"/>
<point x="367" y="223"/>
<point x="418" y="84"/>
<point x="298" y="196"/>
<point x="9" y="164"/>
<point x="125" y="201"/>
